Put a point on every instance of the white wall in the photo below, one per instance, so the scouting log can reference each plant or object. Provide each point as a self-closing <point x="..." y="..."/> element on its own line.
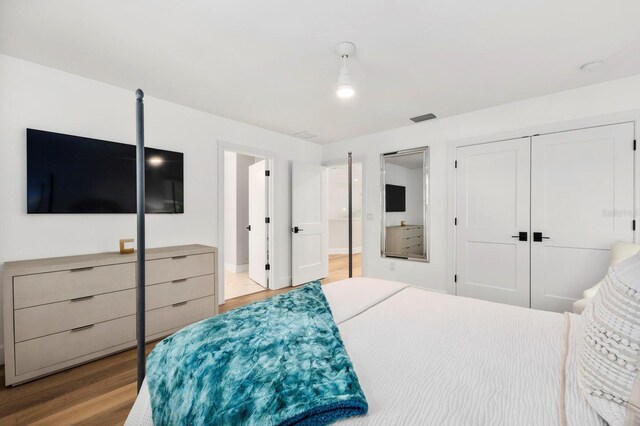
<point x="611" y="97"/>
<point x="230" y="210"/>
<point x="43" y="98"/>
<point x="337" y="209"/>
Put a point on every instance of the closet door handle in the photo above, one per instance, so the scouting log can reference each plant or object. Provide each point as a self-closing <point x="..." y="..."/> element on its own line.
<point x="296" y="229"/>
<point x="537" y="237"/>
<point x="522" y="236"/>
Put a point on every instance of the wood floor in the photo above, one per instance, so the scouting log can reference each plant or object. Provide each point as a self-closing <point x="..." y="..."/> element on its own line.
<point x="102" y="392"/>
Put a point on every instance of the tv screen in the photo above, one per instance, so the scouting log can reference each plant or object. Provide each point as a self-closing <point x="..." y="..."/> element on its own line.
<point x="394" y="196"/>
<point x="71" y="174"/>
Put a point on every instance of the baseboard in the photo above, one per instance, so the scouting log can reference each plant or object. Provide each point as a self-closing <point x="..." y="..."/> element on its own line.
<point x="236" y="268"/>
<point x="356" y="250"/>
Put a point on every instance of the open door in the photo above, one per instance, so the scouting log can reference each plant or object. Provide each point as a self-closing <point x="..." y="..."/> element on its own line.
<point x="258" y="229"/>
<point x="309" y="242"/>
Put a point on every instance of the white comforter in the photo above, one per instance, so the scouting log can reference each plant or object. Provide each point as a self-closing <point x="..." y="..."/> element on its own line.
<point x="425" y="358"/>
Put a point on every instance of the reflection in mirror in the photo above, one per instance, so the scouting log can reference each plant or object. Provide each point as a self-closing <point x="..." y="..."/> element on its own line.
<point x="405" y="204"/>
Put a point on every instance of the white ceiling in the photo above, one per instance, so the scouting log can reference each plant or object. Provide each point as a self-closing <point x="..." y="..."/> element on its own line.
<point x="272" y="63"/>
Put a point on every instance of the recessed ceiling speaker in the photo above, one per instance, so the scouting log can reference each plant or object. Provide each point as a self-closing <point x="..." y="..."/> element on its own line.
<point x="425" y="117"/>
<point x="591" y="66"/>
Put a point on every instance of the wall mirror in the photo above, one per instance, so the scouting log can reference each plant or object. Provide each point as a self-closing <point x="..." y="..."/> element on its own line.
<point x="405" y="204"/>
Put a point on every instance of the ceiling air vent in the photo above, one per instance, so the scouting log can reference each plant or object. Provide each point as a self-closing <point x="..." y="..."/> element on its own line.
<point x="305" y="135"/>
<point x="423" y="118"/>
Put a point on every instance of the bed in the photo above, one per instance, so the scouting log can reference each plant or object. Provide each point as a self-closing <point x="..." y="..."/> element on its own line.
<point x="428" y="358"/>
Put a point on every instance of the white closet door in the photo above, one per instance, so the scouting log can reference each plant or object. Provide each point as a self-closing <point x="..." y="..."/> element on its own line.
<point x="581" y="202"/>
<point x="492" y="208"/>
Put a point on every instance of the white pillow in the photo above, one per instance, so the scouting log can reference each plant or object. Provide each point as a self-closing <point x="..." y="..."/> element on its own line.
<point x="619" y="252"/>
<point x="610" y="353"/>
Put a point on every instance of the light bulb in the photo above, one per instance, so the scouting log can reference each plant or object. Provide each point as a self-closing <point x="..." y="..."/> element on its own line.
<point x="156" y="161"/>
<point x="345" y="91"/>
<point x="345" y="87"/>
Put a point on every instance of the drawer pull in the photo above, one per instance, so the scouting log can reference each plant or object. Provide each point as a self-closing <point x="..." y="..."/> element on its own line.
<point x="80" y="299"/>
<point x="179" y="281"/>
<point x="84" y="327"/>
<point x="175" y="305"/>
<point x="178" y="257"/>
<point x="88" y="268"/>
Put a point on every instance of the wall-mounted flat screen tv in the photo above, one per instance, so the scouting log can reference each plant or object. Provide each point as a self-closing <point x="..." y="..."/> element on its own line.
<point x="394" y="196"/>
<point x="71" y="174"/>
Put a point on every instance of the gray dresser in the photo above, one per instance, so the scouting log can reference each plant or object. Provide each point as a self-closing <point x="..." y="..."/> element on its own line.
<point x="65" y="311"/>
<point x="405" y="240"/>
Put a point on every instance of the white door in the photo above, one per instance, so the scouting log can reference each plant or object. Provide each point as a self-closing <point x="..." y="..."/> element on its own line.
<point x="581" y="202"/>
<point x="258" y="230"/>
<point x="309" y="242"/>
<point x="492" y="209"/>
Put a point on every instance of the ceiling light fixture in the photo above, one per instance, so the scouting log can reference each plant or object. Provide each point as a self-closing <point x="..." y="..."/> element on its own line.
<point x="345" y="83"/>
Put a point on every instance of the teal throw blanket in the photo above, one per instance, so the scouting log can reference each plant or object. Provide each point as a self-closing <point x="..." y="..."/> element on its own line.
<point x="280" y="361"/>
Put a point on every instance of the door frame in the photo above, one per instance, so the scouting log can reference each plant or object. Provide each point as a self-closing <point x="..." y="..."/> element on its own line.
<point x="363" y="225"/>
<point x="271" y="227"/>
<point x="632" y="116"/>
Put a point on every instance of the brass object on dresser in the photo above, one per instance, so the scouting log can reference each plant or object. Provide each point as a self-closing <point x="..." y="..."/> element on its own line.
<point x="123" y="246"/>
<point x="61" y="312"/>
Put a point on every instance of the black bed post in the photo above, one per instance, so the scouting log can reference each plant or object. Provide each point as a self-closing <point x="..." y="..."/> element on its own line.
<point x="350" y="186"/>
<point x="140" y="264"/>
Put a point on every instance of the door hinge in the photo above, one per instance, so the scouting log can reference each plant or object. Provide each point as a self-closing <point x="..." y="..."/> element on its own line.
<point x="455" y="221"/>
<point x="634" y="144"/>
<point x="633" y="225"/>
<point x="267" y="172"/>
<point x="267" y="267"/>
<point x="267" y="220"/>
<point x="455" y="278"/>
<point x="455" y="164"/>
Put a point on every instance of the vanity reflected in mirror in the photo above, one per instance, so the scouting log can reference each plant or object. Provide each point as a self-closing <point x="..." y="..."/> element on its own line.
<point x="405" y="204"/>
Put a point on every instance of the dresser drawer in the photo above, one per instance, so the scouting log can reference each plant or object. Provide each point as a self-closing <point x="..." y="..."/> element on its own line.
<point x="179" y="267"/>
<point x="56" y="348"/>
<point x="417" y="249"/>
<point x="32" y="290"/>
<point x="411" y="231"/>
<point x="166" y="294"/>
<point x="38" y="321"/>
<point x="179" y="315"/>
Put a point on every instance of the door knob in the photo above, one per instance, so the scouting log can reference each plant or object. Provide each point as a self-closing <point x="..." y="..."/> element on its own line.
<point x="522" y="236"/>
<point x="248" y="227"/>
<point x="538" y="237"/>
<point x="296" y="229"/>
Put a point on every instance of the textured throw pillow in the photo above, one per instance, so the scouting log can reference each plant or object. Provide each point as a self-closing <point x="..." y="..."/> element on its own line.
<point x="610" y="353"/>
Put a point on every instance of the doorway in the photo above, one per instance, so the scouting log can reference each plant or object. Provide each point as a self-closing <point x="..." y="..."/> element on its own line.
<point x="338" y="202"/>
<point x="246" y="224"/>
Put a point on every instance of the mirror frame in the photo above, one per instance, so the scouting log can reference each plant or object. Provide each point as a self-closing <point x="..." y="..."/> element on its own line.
<point x="426" y="205"/>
